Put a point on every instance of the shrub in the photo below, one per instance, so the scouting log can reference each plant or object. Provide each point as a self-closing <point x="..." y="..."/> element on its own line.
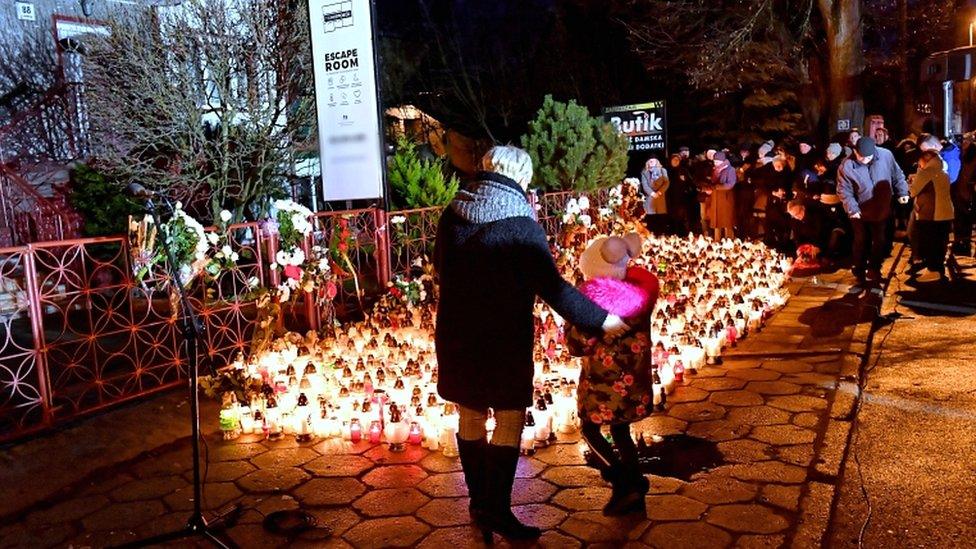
<point x="101" y="202"/>
<point x="572" y="150"/>
<point x="416" y="182"/>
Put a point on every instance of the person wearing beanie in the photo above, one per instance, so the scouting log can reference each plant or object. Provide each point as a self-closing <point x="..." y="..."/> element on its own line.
<point x="721" y="200"/>
<point x="493" y="260"/>
<point x="865" y="184"/>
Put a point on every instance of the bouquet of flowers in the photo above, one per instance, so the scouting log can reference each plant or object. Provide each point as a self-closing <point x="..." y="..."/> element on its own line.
<point x="577" y="212"/>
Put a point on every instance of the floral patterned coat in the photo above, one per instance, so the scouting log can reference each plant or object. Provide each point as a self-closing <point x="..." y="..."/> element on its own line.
<point x="615" y="383"/>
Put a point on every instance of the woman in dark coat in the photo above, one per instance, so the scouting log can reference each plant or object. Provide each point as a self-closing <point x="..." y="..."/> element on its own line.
<point x="721" y="200"/>
<point x="493" y="259"/>
<point x="682" y="198"/>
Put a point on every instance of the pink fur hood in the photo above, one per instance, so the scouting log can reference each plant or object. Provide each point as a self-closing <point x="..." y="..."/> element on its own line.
<point x="628" y="298"/>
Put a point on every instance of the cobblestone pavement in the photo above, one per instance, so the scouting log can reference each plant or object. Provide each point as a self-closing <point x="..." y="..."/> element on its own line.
<point x="767" y="408"/>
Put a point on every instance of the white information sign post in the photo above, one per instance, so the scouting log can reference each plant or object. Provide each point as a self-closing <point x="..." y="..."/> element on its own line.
<point x="346" y="99"/>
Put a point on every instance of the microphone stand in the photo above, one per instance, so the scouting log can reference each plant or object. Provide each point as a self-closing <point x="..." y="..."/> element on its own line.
<point x="192" y="330"/>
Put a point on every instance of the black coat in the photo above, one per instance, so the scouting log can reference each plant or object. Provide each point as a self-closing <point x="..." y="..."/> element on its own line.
<point x="492" y="259"/>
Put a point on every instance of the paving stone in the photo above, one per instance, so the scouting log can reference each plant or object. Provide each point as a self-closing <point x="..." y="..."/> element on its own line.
<point x="718" y="384"/>
<point x="814" y="515"/>
<point x="773" y="387"/>
<point x="845" y="398"/>
<point x="254" y="535"/>
<point x="586" y="498"/>
<point x="444" y="485"/>
<point x="674" y="507"/>
<point x="169" y="522"/>
<point x="555" y="540"/>
<point x="697" y="411"/>
<point x="528" y="467"/>
<point x="781" y="435"/>
<point x="230" y="451"/>
<point x="760" y="542"/>
<point x="687" y="535"/>
<point x="759" y="415"/>
<point x="736" y="398"/>
<point x="337" y="446"/>
<point x="592" y="526"/>
<point x="381" y="455"/>
<point x="267" y="504"/>
<point x="390" y="502"/>
<point x="284" y="457"/>
<point x="539" y="514"/>
<point x="561" y="454"/>
<point x="745" y="451"/>
<point x="706" y="372"/>
<point x="716" y="489"/>
<point x="329" y="491"/>
<point x="798" y="403"/>
<point x="747" y="518"/>
<point x="395" y="476"/>
<point x="445" y="512"/>
<point x="662" y="425"/>
<point x="272" y="480"/>
<point x="769" y="471"/>
<point x="313" y="539"/>
<point x="831" y="451"/>
<point x="685" y="393"/>
<point x="52" y="535"/>
<point x="787" y="366"/>
<point x="224" y="471"/>
<point x="800" y="454"/>
<point x="664" y="485"/>
<point x="105" y="485"/>
<point x="436" y="462"/>
<point x="809" y="420"/>
<point x="348" y="465"/>
<point x="122" y="516"/>
<point x="149" y="488"/>
<point x="284" y="443"/>
<point x="822" y="380"/>
<point x="66" y="511"/>
<point x="734" y="363"/>
<point x="215" y="496"/>
<point x="170" y="463"/>
<point x="831" y="368"/>
<point x="339" y="519"/>
<point x="101" y="538"/>
<point x="531" y="490"/>
<point x="387" y="532"/>
<point x="786" y="497"/>
<point x="755" y="374"/>
<point x="457" y="537"/>
<point x="718" y="430"/>
<point x="572" y="475"/>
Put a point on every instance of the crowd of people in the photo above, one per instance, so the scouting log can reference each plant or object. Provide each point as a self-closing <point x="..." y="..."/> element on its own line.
<point x="848" y="199"/>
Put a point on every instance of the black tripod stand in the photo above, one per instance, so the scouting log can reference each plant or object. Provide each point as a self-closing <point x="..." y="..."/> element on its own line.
<point x="192" y="330"/>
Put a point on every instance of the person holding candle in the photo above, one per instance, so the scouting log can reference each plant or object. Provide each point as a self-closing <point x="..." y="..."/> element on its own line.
<point x="493" y="260"/>
<point x="616" y="382"/>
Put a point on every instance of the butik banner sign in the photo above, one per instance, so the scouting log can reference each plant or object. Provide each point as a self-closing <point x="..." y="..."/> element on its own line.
<point x="645" y="125"/>
<point x="346" y="99"/>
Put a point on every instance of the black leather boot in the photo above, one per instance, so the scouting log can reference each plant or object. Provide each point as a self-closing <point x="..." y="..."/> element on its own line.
<point x="497" y="516"/>
<point x="472" y="453"/>
<point x="629" y="489"/>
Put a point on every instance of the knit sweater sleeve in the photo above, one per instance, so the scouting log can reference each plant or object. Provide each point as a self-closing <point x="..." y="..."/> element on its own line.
<point x="545" y="280"/>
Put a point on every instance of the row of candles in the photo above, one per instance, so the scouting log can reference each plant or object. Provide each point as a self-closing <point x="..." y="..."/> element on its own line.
<point x="376" y="380"/>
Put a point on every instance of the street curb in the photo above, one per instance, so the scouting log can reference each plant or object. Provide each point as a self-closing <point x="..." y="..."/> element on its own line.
<point x="819" y="502"/>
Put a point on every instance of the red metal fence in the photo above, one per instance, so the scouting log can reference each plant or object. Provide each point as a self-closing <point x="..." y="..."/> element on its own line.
<point x="78" y="334"/>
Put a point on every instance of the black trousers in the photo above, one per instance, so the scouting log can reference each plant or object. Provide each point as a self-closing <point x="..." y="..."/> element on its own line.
<point x="933" y="240"/>
<point x="657" y="223"/>
<point x="963" y="225"/>
<point x="603" y="450"/>
<point x="870" y="245"/>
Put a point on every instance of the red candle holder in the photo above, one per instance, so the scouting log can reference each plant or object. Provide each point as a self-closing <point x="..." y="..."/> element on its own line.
<point x="374" y="432"/>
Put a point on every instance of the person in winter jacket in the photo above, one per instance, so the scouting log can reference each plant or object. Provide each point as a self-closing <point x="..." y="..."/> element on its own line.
<point x="615" y="386"/>
<point x="721" y="202"/>
<point x="655" y="183"/>
<point x="493" y="260"/>
<point x="933" y="212"/>
<point x="865" y="185"/>
<point x="682" y="198"/>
